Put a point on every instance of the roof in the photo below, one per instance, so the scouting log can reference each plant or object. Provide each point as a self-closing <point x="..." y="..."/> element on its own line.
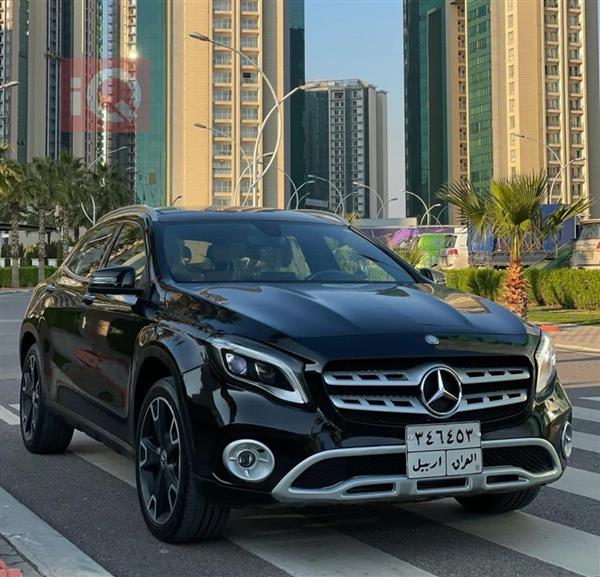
<point x="173" y="213"/>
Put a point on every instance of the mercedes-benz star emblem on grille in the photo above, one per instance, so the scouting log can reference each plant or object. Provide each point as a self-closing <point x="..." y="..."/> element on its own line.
<point x="432" y="340"/>
<point x="441" y="391"/>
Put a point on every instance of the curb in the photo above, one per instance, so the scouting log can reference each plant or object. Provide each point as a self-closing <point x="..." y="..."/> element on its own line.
<point x="577" y="348"/>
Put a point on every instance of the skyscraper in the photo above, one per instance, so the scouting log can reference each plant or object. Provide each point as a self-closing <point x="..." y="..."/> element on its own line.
<point x="495" y="89"/>
<point x="346" y="145"/>
<point x="208" y="83"/>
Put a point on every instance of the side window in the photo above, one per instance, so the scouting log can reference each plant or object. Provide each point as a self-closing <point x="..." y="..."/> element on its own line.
<point x="89" y="257"/>
<point x="130" y="250"/>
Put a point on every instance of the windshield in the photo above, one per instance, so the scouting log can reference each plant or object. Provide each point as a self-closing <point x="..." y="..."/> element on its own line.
<point x="267" y="251"/>
<point x="590" y="232"/>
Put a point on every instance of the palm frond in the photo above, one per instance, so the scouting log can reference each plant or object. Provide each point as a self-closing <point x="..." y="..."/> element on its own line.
<point x="473" y="205"/>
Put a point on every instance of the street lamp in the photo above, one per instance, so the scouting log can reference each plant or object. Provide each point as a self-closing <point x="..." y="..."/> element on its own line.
<point x="92" y="219"/>
<point x="560" y="171"/>
<point x="341" y="203"/>
<point x="370" y="189"/>
<point x="427" y="213"/>
<point x="9" y="84"/>
<point x="299" y="199"/>
<point x="337" y="190"/>
<point x="205" y="38"/>
<point x="420" y="200"/>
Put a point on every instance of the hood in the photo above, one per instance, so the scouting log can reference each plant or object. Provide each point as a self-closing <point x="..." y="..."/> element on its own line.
<point x="309" y="310"/>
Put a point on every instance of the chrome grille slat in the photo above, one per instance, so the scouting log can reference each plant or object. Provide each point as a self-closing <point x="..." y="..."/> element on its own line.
<point x="412" y="377"/>
<point x="472" y="402"/>
<point x="388" y="391"/>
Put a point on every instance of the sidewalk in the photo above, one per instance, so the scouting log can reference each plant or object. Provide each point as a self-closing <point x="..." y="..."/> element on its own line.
<point x="577" y="337"/>
<point x="14" y="562"/>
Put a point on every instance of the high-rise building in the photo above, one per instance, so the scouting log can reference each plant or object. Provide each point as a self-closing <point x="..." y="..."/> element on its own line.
<point x="218" y="86"/>
<point x="346" y="147"/>
<point x="495" y="89"/>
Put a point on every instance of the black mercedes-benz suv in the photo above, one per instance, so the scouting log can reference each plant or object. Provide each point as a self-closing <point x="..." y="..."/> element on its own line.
<point x="246" y="357"/>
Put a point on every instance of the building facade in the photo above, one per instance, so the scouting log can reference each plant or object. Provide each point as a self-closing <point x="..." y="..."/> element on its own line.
<point x="346" y="147"/>
<point x="518" y="94"/>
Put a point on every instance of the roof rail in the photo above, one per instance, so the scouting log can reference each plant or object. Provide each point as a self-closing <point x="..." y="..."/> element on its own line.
<point x="325" y="214"/>
<point x="131" y="210"/>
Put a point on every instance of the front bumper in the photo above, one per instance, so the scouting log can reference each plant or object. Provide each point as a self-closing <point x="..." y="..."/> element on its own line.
<point x="386" y="487"/>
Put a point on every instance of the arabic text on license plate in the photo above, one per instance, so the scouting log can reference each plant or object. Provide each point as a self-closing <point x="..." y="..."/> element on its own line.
<point x="426" y="464"/>
<point x="443" y="436"/>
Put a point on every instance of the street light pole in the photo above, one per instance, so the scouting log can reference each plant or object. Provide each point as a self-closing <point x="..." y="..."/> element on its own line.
<point x="562" y="168"/>
<point x="552" y="151"/>
<point x="420" y="200"/>
<point x="4" y="87"/>
<point x="341" y="203"/>
<point x="337" y="190"/>
<point x="297" y="194"/>
<point x="371" y="189"/>
<point x="428" y="213"/>
<point x="248" y="60"/>
<point x="92" y="219"/>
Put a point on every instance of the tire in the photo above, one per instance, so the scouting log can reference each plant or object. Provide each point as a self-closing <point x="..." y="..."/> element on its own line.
<point x="41" y="431"/>
<point x="496" y="503"/>
<point x="178" y="513"/>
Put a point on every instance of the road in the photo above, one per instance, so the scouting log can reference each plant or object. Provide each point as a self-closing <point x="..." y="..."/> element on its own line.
<point x="87" y="496"/>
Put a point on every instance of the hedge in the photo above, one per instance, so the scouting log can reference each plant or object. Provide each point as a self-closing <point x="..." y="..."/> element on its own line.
<point x="565" y="287"/>
<point x="28" y="275"/>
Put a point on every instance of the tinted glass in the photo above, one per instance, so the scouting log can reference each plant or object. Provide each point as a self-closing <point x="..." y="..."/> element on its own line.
<point x="269" y="251"/>
<point x="589" y="232"/>
<point x="88" y="258"/>
<point x="130" y="250"/>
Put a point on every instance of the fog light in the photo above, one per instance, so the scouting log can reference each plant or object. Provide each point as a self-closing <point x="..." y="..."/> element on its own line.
<point x="249" y="460"/>
<point x="567" y="440"/>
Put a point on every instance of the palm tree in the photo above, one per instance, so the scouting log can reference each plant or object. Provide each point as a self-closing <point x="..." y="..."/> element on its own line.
<point x="13" y="196"/>
<point x="41" y="180"/>
<point x="511" y="210"/>
<point x="69" y="186"/>
<point x="109" y="189"/>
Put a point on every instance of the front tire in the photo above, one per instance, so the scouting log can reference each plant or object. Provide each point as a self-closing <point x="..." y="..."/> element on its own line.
<point x="496" y="503"/>
<point x="173" y="506"/>
<point x="41" y="431"/>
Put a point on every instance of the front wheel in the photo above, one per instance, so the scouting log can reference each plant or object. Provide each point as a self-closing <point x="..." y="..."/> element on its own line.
<point x="500" y="502"/>
<point x="173" y="506"/>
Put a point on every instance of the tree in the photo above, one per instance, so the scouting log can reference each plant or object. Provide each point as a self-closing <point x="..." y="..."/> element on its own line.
<point x="109" y="189"/>
<point x="13" y="196"/>
<point x="511" y="210"/>
<point x="41" y="181"/>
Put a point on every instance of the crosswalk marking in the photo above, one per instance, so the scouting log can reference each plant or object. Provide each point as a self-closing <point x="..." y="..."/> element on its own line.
<point x="297" y="552"/>
<point x="579" y="482"/>
<point x="551" y="542"/>
<point x="586" y="441"/>
<point x="15" y="406"/>
<point x="597" y="399"/>
<point x="8" y="416"/>
<point x="586" y="414"/>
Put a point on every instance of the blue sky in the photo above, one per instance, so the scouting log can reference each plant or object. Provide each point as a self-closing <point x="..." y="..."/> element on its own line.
<point x="362" y="39"/>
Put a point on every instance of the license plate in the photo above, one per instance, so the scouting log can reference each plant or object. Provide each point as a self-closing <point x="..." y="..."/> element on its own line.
<point x="443" y="450"/>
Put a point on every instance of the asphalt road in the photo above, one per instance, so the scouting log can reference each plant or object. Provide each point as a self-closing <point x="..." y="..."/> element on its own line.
<point x="88" y="497"/>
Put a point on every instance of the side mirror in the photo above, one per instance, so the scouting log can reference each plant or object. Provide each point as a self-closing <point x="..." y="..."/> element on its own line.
<point x="118" y="280"/>
<point x="436" y="277"/>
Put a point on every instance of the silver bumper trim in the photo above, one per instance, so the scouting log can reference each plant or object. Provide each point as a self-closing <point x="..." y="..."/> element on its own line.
<point x="386" y="487"/>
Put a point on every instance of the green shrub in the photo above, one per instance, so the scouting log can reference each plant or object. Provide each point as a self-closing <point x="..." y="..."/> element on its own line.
<point x="564" y="287"/>
<point x="28" y="276"/>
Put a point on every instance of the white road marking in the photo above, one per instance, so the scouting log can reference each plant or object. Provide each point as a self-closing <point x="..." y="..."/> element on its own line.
<point x="586" y="414"/>
<point x="320" y="552"/>
<point x="597" y="399"/>
<point x="102" y="457"/>
<point x="579" y="482"/>
<point x="15" y="406"/>
<point x="586" y="441"/>
<point x="551" y="542"/>
<point x="315" y="551"/>
<point x="52" y="554"/>
<point x="8" y="416"/>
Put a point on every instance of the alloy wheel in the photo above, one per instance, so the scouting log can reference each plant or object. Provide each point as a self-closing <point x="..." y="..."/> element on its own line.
<point x="159" y="460"/>
<point x="30" y="396"/>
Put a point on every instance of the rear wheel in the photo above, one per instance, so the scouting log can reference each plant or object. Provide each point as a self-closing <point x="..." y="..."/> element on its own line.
<point x="42" y="432"/>
<point x="174" y="508"/>
<point x="500" y="502"/>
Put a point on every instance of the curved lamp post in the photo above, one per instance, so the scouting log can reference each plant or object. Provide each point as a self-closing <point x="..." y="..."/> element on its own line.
<point x="337" y="190"/>
<point x="371" y="189"/>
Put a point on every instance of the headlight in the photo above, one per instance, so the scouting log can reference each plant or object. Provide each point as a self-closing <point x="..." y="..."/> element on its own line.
<point x="546" y="364"/>
<point x="257" y="365"/>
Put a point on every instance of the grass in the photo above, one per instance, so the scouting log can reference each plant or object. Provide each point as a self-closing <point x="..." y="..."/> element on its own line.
<point x="563" y="316"/>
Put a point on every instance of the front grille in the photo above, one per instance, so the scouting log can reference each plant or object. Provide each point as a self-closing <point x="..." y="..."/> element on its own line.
<point x="530" y="458"/>
<point x="332" y="471"/>
<point x="391" y="396"/>
<point x="329" y="472"/>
